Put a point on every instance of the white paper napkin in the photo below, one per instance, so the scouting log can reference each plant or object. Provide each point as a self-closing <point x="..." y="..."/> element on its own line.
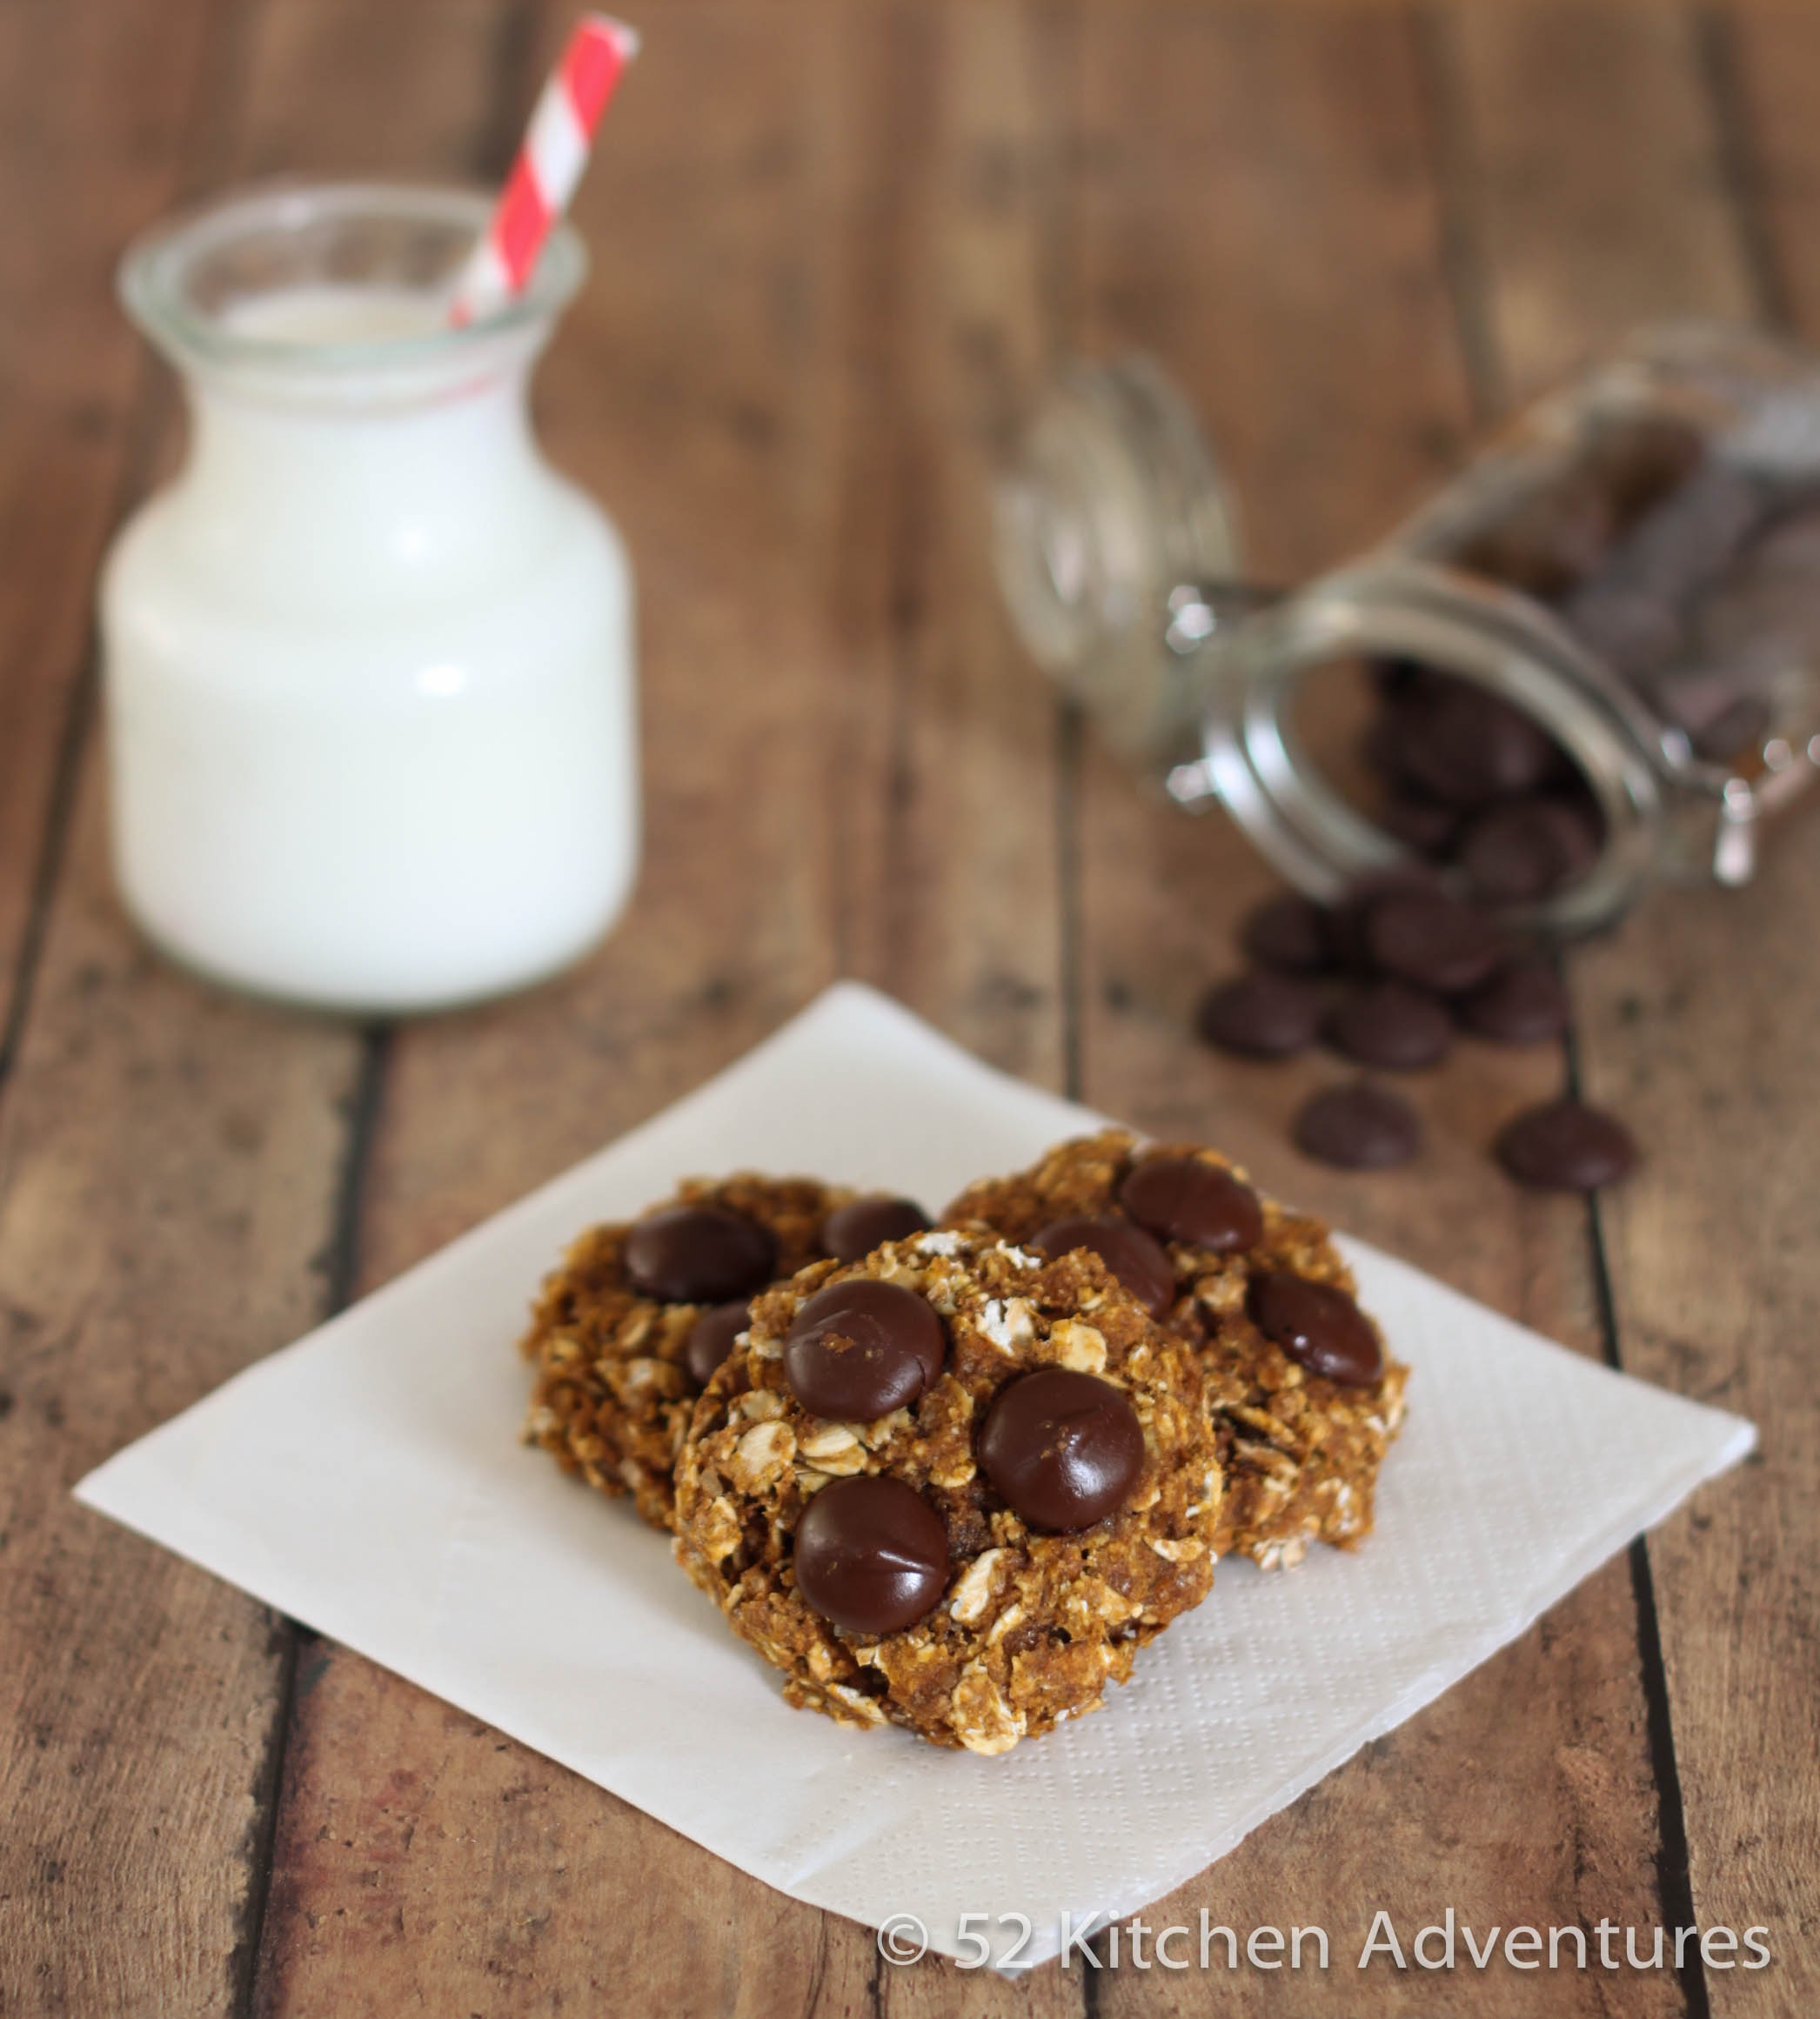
<point x="530" y="1602"/>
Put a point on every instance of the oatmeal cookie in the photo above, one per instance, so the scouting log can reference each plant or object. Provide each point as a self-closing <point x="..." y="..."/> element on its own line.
<point x="625" y="1334"/>
<point x="954" y="1486"/>
<point x="1303" y="1397"/>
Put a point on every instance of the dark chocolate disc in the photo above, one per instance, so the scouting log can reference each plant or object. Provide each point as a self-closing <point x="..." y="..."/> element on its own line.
<point x="711" y="1338"/>
<point x="1131" y="1255"/>
<point x="861" y="1348"/>
<point x="1425" y="824"/>
<point x="1434" y="941"/>
<point x="1288" y="933"/>
<point x="698" y="1254"/>
<point x="1185" y="1199"/>
<point x="1348" y="920"/>
<point x="1318" y="1325"/>
<point x="1524" y="849"/>
<point x="1063" y="1448"/>
<point x="1524" y="1003"/>
<point x="1261" y="1016"/>
<point x="858" y="1227"/>
<point x="1566" y="1147"/>
<point x="871" y="1556"/>
<point x="1360" y="1127"/>
<point x="1468" y="747"/>
<point x="1389" y="1024"/>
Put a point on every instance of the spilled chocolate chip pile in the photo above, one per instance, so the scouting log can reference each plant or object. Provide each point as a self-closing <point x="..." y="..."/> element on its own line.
<point x="1385" y="979"/>
<point x="1466" y="778"/>
<point x="1691" y="577"/>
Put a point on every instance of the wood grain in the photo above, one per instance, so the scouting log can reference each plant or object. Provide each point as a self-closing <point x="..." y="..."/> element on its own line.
<point x="1691" y="1016"/>
<point x="170" y="1168"/>
<point x="167" y="1159"/>
<point x="1261" y="205"/>
<point x="72" y="374"/>
<point x="1578" y="234"/>
<point x="1700" y="1025"/>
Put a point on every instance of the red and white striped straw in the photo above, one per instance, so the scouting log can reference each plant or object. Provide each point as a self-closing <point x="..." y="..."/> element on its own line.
<point x="550" y="162"/>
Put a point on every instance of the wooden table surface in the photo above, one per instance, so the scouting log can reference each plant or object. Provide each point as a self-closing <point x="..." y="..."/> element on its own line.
<point x="837" y="247"/>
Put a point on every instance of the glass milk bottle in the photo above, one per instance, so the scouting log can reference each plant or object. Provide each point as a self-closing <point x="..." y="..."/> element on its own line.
<point x="368" y="659"/>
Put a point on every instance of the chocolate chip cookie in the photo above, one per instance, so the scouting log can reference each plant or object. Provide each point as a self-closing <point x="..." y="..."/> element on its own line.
<point x="626" y="1332"/>
<point x="1303" y="1399"/>
<point x="952" y="1486"/>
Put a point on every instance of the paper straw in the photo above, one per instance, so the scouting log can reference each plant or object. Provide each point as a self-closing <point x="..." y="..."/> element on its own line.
<point x="550" y="162"/>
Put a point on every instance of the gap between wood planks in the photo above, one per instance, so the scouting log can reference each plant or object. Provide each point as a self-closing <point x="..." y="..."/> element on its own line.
<point x="1718" y="80"/>
<point x="494" y="149"/>
<point x="218" y="93"/>
<point x="1464" y="268"/>
<point x="218" y="74"/>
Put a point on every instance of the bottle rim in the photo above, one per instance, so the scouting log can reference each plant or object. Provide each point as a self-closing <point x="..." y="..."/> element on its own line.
<point x="157" y="275"/>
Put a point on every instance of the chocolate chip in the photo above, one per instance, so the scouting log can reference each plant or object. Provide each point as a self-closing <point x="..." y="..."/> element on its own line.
<point x="1466" y="747"/>
<point x="1189" y="1200"/>
<point x="1318" y="1325"/>
<point x="1524" y="1003"/>
<point x="698" y="1254"/>
<point x="1634" y="633"/>
<point x="711" y="1338"/>
<point x="1064" y="1449"/>
<point x="1550" y="541"/>
<point x="858" y="1227"/>
<point x="1288" y="933"/>
<point x="1136" y="1260"/>
<point x="1565" y="1146"/>
<point x="871" y="1555"/>
<point x="1261" y="1016"/>
<point x="860" y="1349"/>
<point x="1686" y="542"/>
<point x="1435" y="941"/>
<point x="1523" y="850"/>
<point x="1389" y="1024"/>
<point x="1419" y="822"/>
<point x="1349" y="921"/>
<point x="1361" y="1127"/>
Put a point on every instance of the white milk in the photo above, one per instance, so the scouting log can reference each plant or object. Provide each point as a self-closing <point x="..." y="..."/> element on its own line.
<point x="369" y="667"/>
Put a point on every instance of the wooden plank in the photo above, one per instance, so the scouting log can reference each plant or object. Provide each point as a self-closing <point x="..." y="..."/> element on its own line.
<point x="814" y="311"/>
<point x="169" y="1162"/>
<point x="1577" y="236"/>
<point x="171" y="1159"/>
<point x="1699" y="1024"/>
<point x="96" y="128"/>
<point x="1689" y="1019"/>
<point x="1259" y="205"/>
<point x="133" y="1715"/>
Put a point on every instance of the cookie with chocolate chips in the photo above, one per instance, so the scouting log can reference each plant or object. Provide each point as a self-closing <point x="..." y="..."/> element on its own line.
<point x="628" y="1333"/>
<point x="954" y="1486"/>
<point x="1302" y="1398"/>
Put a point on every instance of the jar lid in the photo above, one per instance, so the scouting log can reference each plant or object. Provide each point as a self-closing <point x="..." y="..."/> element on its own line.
<point x="1114" y="504"/>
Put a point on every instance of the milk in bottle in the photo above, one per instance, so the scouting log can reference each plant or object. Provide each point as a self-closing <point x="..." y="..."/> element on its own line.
<point x="368" y="659"/>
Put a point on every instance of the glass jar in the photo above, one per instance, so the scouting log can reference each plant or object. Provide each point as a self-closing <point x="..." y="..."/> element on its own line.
<point x="368" y="659"/>
<point x="1634" y="565"/>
